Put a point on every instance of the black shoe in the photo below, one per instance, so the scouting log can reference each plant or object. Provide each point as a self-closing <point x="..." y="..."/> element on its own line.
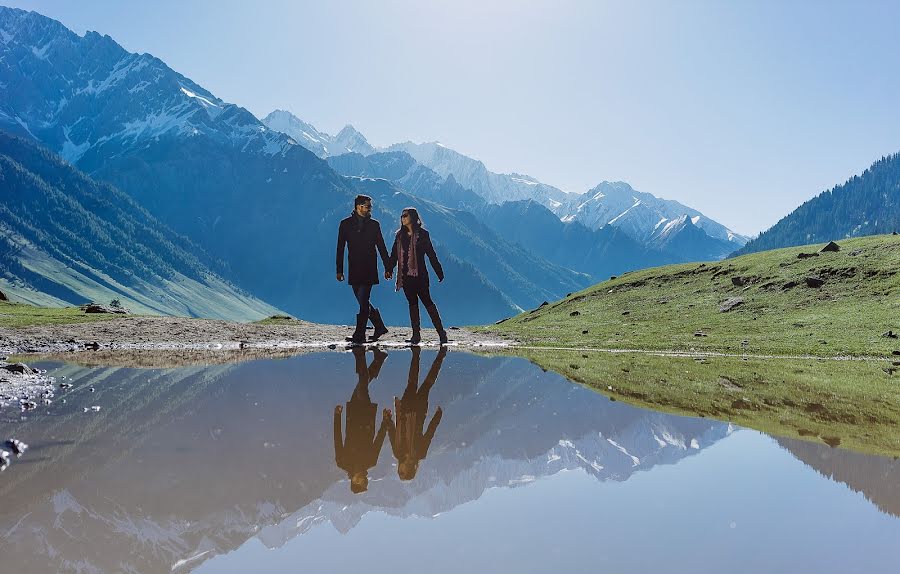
<point x="415" y="323"/>
<point x="380" y="329"/>
<point x="438" y="325"/>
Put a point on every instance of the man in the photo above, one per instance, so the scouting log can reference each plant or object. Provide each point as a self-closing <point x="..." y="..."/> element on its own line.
<point x="359" y="451"/>
<point x="362" y="235"/>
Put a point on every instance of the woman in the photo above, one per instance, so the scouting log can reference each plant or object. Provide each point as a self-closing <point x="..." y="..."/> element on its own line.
<point x="411" y="244"/>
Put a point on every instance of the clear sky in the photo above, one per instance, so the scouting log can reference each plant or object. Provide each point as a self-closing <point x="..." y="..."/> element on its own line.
<point x="741" y="109"/>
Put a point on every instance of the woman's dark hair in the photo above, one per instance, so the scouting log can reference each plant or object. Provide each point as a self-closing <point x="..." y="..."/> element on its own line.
<point x="414" y="218"/>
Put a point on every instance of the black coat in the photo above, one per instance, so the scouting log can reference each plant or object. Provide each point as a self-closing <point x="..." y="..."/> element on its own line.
<point x="423" y="248"/>
<point x="362" y="241"/>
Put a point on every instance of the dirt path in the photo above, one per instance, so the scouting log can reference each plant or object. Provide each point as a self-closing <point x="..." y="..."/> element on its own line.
<point x="177" y="333"/>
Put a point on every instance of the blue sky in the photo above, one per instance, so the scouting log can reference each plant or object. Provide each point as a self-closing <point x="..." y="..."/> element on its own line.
<point x="740" y="109"/>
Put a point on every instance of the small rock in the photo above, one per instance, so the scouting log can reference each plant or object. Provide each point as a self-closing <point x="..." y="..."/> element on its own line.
<point x="699" y="334"/>
<point x="585" y="333"/>
<point x="730" y="304"/>
<point x="4" y="459"/>
<point x="544" y="304"/>
<point x="3" y="296"/>
<point x="832" y="246"/>
<point x="27" y="405"/>
<point x="894" y="233"/>
<point x="332" y="346"/>
<point x="814" y="282"/>
<point x="574" y="313"/>
<point x="20" y="368"/>
<point x="91" y="389"/>
<point x="94" y="408"/>
<point x="889" y="334"/>
<point x="806" y="255"/>
<point x="895" y="353"/>
<point x="739" y="281"/>
<point x="789" y="285"/>
<point x="855" y="252"/>
<point x="453" y="328"/>
<point x="17" y="446"/>
<point x="65" y="385"/>
<point x="611" y="277"/>
<point x="626" y="312"/>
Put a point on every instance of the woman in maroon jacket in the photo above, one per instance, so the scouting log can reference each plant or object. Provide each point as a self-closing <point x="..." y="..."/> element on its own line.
<point x="411" y="244"/>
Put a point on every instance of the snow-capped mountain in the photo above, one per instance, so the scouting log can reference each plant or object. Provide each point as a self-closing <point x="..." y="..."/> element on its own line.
<point x="320" y="143"/>
<point x="472" y="174"/>
<point x="88" y="99"/>
<point x="653" y="221"/>
<point x="249" y="195"/>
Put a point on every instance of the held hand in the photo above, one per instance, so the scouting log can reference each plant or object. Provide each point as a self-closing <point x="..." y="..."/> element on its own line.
<point x="388" y="275"/>
<point x="439" y="411"/>
<point x="440" y="279"/>
<point x="340" y="276"/>
<point x="338" y="409"/>
<point x="386" y="413"/>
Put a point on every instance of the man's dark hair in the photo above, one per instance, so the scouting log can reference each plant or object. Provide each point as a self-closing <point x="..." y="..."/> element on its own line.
<point x="361" y="199"/>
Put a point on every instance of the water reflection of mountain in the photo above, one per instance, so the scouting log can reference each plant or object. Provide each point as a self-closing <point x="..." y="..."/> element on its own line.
<point x="877" y="478"/>
<point x="187" y="466"/>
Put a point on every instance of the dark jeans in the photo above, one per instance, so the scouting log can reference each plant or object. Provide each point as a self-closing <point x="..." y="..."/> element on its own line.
<point x="362" y="294"/>
<point x="416" y="288"/>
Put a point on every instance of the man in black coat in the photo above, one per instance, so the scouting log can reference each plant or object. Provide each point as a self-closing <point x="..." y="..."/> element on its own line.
<point x="362" y="235"/>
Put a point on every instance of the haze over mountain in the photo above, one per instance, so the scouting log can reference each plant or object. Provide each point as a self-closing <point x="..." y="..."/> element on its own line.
<point x="247" y="194"/>
<point x="65" y="236"/>
<point x="866" y="204"/>
<point x="681" y="232"/>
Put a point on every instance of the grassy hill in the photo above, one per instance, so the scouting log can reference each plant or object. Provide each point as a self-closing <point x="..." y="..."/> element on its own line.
<point x="66" y="239"/>
<point x="677" y="307"/>
<point x="853" y="404"/>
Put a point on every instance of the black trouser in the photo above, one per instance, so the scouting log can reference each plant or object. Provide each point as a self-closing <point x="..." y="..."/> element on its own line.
<point x="362" y="294"/>
<point x="416" y="288"/>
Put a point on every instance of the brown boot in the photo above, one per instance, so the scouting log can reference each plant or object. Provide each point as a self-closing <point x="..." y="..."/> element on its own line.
<point x="436" y="321"/>
<point x="416" y="324"/>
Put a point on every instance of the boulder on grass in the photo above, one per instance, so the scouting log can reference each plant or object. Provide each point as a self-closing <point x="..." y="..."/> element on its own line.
<point x="3" y="296"/>
<point x="832" y="246"/>
<point x="814" y="282"/>
<point x="730" y="304"/>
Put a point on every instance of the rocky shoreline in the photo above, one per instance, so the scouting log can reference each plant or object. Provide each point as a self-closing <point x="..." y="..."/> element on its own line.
<point x="185" y="334"/>
<point x="173" y="341"/>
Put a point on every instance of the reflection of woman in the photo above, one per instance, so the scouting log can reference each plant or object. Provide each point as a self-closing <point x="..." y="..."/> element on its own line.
<point x="360" y="451"/>
<point x="411" y="244"/>
<point x="409" y="443"/>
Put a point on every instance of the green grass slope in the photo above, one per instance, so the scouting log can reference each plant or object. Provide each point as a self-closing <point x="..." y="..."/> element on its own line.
<point x="677" y="307"/>
<point x="853" y="404"/>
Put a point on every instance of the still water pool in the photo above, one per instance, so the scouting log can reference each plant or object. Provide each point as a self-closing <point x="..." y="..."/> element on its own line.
<point x="479" y="465"/>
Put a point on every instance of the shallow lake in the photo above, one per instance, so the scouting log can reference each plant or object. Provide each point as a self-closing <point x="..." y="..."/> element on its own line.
<point x="482" y="465"/>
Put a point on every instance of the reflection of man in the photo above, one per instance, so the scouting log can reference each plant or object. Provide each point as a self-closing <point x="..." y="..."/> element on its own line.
<point x="409" y="443"/>
<point x="362" y="236"/>
<point x="360" y="451"/>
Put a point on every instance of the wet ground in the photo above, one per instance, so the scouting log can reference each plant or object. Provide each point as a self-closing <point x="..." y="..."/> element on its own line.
<point x="431" y="461"/>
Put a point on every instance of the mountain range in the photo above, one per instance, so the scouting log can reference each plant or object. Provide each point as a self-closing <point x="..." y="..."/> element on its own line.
<point x="678" y="231"/>
<point x="244" y="193"/>
<point x="261" y="200"/>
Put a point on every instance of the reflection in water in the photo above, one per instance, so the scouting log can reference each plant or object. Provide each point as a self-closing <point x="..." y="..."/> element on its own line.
<point x="409" y="443"/>
<point x="150" y="483"/>
<point x="360" y="451"/>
